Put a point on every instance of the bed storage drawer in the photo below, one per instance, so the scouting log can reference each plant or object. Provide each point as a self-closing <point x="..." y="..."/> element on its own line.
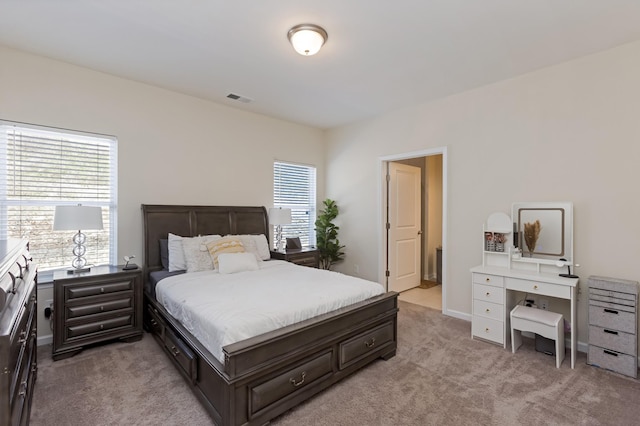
<point x="360" y="346"/>
<point x="155" y="324"/>
<point x="290" y="381"/>
<point x="182" y="355"/>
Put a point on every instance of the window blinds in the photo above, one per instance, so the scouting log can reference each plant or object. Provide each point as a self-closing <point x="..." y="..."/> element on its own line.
<point x="294" y="187"/>
<point x="41" y="168"/>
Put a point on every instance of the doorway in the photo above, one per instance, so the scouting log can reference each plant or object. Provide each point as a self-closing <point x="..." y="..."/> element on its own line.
<point x="430" y="233"/>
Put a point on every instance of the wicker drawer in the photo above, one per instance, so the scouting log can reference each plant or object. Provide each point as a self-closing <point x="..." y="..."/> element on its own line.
<point x="488" y="309"/>
<point x="612" y="339"/>
<point x="182" y="355"/>
<point x="487" y="328"/>
<point x="612" y="360"/>
<point x="492" y="280"/>
<point x="613" y="319"/>
<point x="488" y="293"/>
<point x="290" y="382"/>
<point x="360" y="346"/>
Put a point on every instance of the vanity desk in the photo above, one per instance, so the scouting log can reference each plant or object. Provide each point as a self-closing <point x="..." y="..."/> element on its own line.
<point x="493" y="291"/>
<point x="515" y="266"/>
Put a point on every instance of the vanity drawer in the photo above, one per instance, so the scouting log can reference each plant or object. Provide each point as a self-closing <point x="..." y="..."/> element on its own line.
<point x="534" y="287"/>
<point x="486" y="279"/>
<point x="488" y="293"/>
<point x="613" y="339"/>
<point x="487" y="328"/>
<point x="290" y="381"/>
<point x="613" y="319"/>
<point x="488" y="309"/>
<point x="358" y="347"/>
<point x="612" y="360"/>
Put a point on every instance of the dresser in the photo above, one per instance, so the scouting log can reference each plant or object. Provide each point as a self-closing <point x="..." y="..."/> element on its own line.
<point x="613" y="339"/>
<point x="306" y="256"/>
<point x="102" y="304"/>
<point x="18" y="366"/>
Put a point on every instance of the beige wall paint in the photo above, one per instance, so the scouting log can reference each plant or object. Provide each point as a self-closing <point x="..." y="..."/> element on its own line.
<point x="565" y="133"/>
<point x="172" y="148"/>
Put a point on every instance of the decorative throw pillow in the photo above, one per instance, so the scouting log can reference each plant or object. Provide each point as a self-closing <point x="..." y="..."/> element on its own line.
<point x="249" y="244"/>
<point x="176" y="255"/>
<point x="196" y="254"/>
<point x="230" y="263"/>
<point x="228" y="244"/>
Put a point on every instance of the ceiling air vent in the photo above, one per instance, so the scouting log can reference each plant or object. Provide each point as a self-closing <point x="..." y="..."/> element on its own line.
<point x="239" y="98"/>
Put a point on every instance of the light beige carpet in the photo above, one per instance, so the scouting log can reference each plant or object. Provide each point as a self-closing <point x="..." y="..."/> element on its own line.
<point x="440" y="376"/>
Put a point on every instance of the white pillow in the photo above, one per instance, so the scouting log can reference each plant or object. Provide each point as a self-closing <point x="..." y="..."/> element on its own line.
<point x="176" y="254"/>
<point x="262" y="246"/>
<point x="230" y="263"/>
<point x="196" y="254"/>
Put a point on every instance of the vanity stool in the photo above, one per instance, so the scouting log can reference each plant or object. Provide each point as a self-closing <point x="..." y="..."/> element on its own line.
<point x="545" y="323"/>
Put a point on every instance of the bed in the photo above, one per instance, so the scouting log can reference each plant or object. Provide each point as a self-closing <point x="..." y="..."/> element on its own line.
<point x="261" y="377"/>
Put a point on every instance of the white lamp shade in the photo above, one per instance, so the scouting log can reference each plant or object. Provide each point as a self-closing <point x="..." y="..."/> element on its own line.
<point x="280" y="216"/>
<point x="307" y="39"/>
<point x="76" y="218"/>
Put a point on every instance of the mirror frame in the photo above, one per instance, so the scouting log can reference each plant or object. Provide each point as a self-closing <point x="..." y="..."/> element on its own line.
<point x="564" y="225"/>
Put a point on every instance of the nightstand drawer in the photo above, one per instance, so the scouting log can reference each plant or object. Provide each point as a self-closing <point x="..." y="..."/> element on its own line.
<point x="306" y="260"/>
<point x="99" y="326"/>
<point x="76" y="292"/>
<point x="98" y="308"/>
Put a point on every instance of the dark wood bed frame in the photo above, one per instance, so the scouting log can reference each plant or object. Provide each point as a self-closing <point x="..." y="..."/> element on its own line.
<point x="264" y="376"/>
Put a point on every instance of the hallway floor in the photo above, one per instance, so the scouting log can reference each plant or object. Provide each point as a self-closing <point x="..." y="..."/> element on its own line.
<point x="429" y="294"/>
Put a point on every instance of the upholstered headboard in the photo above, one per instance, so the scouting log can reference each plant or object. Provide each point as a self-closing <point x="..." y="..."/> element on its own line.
<point x="191" y="221"/>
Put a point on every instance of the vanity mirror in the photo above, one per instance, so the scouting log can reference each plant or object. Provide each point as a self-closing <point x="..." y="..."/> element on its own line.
<point x="544" y="230"/>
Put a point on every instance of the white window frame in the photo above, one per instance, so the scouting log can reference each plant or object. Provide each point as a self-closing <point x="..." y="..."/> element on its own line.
<point x="301" y="200"/>
<point x="9" y="131"/>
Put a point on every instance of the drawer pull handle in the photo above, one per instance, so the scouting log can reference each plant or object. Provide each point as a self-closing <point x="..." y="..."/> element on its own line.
<point x="611" y="311"/>
<point x="488" y="279"/>
<point x="535" y="287"/>
<point x="101" y="326"/>
<point x="610" y="331"/>
<point x="23" y="388"/>
<point x="23" y="337"/>
<point x="370" y="343"/>
<point x="296" y="384"/>
<point x="101" y="308"/>
<point x="101" y="289"/>
<point x="488" y="294"/>
<point x="153" y="322"/>
<point x="610" y="352"/>
<point x="487" y="310"/>
<point x="486" y="330"/>
<point x="174" y="351"/>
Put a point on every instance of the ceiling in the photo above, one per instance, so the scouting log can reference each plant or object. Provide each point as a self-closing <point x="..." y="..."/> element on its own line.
<point x="381" y="55"/>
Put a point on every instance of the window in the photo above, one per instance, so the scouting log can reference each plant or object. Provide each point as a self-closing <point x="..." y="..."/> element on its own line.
<point x="41" y="168"/>
<point x="294" y="187"/>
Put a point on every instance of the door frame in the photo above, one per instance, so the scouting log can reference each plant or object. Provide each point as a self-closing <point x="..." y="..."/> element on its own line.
<point x="382" y="220"/>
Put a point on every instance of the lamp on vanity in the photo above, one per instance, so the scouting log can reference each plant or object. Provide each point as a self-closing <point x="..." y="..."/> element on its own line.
<point x="563" y="262"/>
<point x="278" y="217"/>
<point x="76" y="218"/>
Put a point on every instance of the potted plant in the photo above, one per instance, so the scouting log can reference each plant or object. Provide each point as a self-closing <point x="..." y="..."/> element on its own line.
<point x="327" y="235"/>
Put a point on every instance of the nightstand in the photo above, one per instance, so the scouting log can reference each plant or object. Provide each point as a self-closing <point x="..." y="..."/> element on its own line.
<point x="306" y="256"/>
<point x="102" y="304"/>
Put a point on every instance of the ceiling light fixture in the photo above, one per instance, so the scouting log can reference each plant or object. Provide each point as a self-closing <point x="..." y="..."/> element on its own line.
<point x="307" y="39"/>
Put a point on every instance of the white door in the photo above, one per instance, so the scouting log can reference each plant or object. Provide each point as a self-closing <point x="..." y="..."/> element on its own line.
<point x="404" y="224"/>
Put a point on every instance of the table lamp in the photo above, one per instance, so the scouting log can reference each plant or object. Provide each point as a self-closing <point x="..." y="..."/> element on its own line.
<point x="278" y="217"/>
<point x="76" y="218"/>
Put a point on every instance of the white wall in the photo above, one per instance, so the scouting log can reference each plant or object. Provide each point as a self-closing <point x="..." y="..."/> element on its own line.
<point x="172" y="148"/>
<point x="566" y="133"/>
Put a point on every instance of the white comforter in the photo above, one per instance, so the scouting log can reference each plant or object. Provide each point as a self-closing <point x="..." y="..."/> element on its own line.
<point x="220" y="309"/>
